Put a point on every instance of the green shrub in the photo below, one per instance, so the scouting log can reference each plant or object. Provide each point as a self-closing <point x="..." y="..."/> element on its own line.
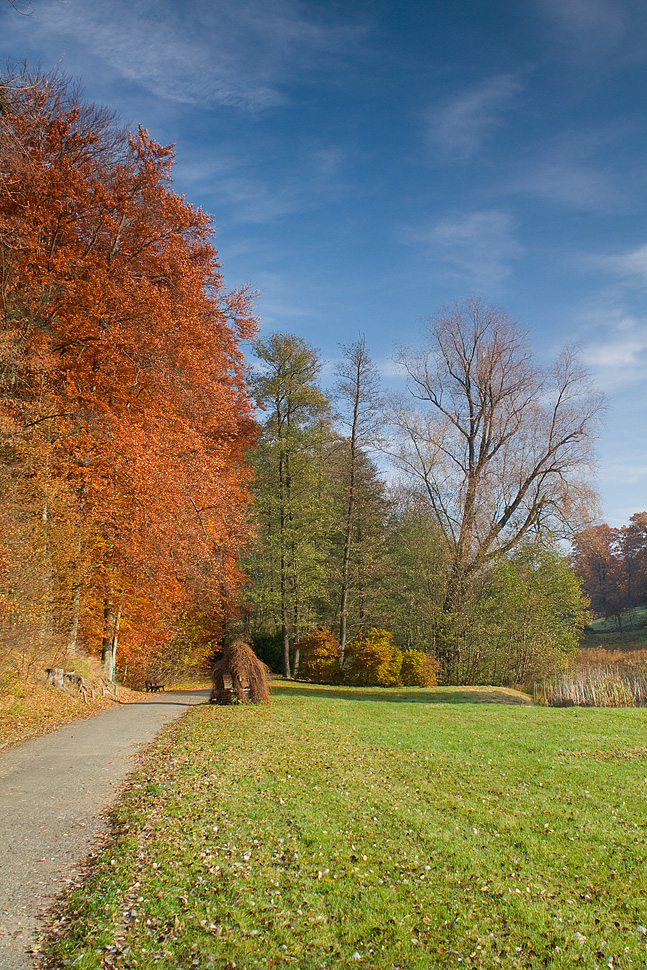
<point x="372" y="661"/>
<point x="419" y="669"/>
<point x="319" y="652"/>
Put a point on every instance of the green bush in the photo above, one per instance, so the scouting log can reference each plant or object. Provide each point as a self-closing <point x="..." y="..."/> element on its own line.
<point x="319" y="653"/>
<point x="419" y="669"/>
<point x="372" y="661"/>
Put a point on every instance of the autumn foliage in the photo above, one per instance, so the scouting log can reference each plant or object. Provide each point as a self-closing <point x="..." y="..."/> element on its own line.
<point x="124" y="412"/>
<point x="320" y="653"/>
<point x="419" y="669"/>
<point x="612" y="564"/>
<point x="370" y="660"/>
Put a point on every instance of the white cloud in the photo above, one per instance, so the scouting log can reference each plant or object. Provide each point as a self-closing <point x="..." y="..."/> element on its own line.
<point x="232" y="183"/>
<point x="629" y="264"/>
<point x="574" y="170"/>
<point x="619" y="354"/>
<point x="206" y="52"/>
<point x="568" y="182"/>
<point x="616" y="352"/>
<point x="460" y="125"/>
<point x="597" y="30"/>
<point x="262" y="194"/>
<point x="479" y="248"/>
<point x="587" y="19"/>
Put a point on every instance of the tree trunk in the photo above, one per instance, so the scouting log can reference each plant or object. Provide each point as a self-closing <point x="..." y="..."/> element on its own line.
<point x="47" y="619"/>
<point x="74" y="620"/>
<point x="283" y="499"/>
<point x="343" y="606"/>
<point x="106" y="644"/>
<point x="285" y="636"/>
<point x="115" y="638"/>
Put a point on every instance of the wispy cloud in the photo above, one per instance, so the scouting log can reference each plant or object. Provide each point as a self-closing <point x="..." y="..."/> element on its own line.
<point x="461" y="124"/>
<point x="480" y="248"/>
<point x="259" y="193"/>
<point x="230" y="181"/>
<point x="616" y="351"/>
<point x="208" y="52"/>
<point x="587" y="18"/>
<point x="576" y="170"/>
<point x="631" y="265"/>
<point x="568" y="183"/>
<point x="597" y="28"/>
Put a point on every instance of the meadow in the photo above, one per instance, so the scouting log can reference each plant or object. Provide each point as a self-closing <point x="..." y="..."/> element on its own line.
<point x="374" y="828"/>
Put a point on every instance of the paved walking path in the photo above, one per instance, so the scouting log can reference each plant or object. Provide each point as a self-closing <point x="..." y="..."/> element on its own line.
<point x="53" y="791"/>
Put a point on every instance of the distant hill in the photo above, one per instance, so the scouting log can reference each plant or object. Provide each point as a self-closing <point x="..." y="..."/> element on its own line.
<point x="630" y="634"/>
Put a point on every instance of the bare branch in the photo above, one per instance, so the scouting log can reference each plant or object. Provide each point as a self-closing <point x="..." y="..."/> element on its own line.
<point x="497" y="444"/>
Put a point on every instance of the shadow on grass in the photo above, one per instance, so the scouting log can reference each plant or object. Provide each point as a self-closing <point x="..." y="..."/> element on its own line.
<point x="428" y="695"/>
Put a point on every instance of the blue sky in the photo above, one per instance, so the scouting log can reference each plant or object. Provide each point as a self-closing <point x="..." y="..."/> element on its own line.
<point x="370" y="161"/>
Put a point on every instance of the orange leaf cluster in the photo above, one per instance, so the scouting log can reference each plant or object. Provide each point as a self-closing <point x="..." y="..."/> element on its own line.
<point x="121" y="375"/>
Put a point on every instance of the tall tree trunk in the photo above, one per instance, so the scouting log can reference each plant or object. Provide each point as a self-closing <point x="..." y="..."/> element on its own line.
<point x="47" y="620"/>
<point x="343" y="606"/>
<point x="285" y="638"/>
<point x="115" y="638"/>
<point x="348" y="536"/>
<point x="285" y="630"/>
<point x="359" y="386"/>
<point x="297" y="634"/>
<point x="108" y="633"/>
<point x="74" y="619"/>
<point x="283" y="500"/>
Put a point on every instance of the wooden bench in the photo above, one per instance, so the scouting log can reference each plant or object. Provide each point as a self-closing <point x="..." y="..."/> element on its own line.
<point x="152" y="687"/>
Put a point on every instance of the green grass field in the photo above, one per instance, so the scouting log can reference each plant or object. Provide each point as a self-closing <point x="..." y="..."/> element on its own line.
<point x="368" y="828"/>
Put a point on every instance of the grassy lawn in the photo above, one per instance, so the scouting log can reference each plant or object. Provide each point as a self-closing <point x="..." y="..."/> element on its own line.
<point x="369" y="828"/>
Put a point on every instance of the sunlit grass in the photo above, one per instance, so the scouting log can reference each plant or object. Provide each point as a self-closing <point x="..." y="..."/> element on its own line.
<point x="343" y="828"/>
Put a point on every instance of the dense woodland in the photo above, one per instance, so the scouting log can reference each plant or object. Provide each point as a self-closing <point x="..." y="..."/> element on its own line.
<point x="160" y="494"/>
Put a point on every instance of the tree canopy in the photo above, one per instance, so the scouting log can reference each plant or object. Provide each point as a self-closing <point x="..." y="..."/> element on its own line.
<point x="124" y="404"/>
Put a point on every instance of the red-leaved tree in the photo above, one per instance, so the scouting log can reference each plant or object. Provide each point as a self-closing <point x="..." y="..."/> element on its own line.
<point x="122" y="378"/>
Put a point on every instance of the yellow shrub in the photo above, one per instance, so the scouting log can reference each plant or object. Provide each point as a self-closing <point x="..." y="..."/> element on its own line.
<point x="419" y="669"/>
<point x="371" y="660"/>
<point x="319" y="656"/>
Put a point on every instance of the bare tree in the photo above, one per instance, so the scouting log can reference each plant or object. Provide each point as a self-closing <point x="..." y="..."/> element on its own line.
<point x="497" y="445"/>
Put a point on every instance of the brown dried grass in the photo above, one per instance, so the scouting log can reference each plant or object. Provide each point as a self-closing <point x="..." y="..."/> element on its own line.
<point x="600" y="678"/>
<point x="596" y="656"/>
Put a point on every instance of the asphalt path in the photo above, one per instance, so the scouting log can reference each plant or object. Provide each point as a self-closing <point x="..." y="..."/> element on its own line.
<point x="54" y="793"/>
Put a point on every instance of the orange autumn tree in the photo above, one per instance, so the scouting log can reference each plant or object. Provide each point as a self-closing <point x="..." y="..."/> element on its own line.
<point x="121" y="370"/>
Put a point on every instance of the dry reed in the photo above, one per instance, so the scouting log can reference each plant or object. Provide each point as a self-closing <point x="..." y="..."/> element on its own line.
<point x="595" y="685"/>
